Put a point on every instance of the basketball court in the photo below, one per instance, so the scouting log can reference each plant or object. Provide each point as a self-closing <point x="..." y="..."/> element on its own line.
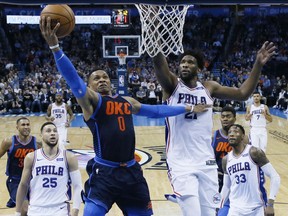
<point x="151" y="153"/>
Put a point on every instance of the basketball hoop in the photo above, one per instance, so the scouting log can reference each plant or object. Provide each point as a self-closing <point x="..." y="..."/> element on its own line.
<point x="162" y="28"/>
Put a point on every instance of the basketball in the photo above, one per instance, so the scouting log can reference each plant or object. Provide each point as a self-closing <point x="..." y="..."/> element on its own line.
<point x="63" y="14"/>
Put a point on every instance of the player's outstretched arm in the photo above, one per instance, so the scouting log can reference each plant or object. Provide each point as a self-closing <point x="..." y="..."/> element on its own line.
<point x="157" y="111"/>
<point x="246" y="89"/>
<point x="165" y="77"/>
<point x="86" y="97"/>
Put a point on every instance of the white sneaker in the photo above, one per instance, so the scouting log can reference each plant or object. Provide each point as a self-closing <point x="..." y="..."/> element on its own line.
<point x="275" y="106"/>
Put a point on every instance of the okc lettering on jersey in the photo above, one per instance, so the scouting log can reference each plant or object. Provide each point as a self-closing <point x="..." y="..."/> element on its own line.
<point x="223" y="147"/>
<point x="21" y="153"/>
<point x="55" y="111"/>
<point x="238" y="167"/>
<point x="118" y="108"/>
<point x="191" y="99"/>
<point x="50" y="170"/>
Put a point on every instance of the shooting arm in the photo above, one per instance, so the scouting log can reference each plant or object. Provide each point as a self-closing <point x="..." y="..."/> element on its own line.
<point x="70" y="74"/>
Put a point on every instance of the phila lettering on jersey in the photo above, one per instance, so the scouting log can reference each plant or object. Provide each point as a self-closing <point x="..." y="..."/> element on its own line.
<point x="59" y="113"/>
<point x="247" y="190"/>
<point x="257" y="119"/>
<point x="188" y="141"/>
<point x="50" y="177"/>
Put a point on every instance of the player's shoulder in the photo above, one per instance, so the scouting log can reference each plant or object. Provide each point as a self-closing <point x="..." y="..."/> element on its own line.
<point x="255" y="152"/>
<point x="7" y="142"/>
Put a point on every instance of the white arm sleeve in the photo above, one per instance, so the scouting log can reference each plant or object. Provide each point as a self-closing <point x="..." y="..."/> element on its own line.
<point x="77" y="188"/>
<point x="225" y="190"/>
<point x="269" y="170"/>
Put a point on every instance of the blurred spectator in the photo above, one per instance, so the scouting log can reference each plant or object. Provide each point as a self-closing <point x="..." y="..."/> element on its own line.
<point x="141" y="95"/>
<point x="152" y="98"/>
<point x="3" y="109"/>
<point x="281" y="100"/>
<point x="27" y="100"/>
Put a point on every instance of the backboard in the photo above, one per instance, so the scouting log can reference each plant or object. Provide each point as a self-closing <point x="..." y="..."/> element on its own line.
<point x="114" y="44"/>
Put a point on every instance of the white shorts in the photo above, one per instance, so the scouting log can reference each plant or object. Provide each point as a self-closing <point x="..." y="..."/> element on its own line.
<point x="57" y="210"/>
<point x="245" y="212"/>
<point x="200" y="183"/>
<point x="258" y="137"/>
<point x="62" y="131"/>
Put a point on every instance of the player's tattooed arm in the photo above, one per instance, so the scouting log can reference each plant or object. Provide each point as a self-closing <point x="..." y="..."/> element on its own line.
<point x="258" y="156"/>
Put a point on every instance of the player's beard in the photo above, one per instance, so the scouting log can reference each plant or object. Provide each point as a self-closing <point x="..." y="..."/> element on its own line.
<point x="52" y="145"/>
<point x="190" y="76"/>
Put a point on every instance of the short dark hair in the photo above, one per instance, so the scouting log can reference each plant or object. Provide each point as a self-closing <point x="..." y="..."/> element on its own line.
<point x="229" y="109"/>
<point x="239" y="126"/>
<point x="256" y="92"/>
<point x="197" y="54"/>
<point x="96" y="69"/>
<point x="46" y="123"/>
<point x="22" y="118"/>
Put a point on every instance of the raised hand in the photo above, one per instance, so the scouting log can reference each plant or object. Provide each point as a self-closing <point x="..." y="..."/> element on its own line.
<point x="48" y="33"/>
<point x="265" y="53"/>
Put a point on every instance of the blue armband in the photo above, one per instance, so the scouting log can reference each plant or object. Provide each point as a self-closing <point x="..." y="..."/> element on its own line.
<point x="159" y="111"/>
<point x="68" y="71"/>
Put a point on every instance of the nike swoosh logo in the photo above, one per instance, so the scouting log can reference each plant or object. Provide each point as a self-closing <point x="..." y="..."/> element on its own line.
<point x="39" y="159"/>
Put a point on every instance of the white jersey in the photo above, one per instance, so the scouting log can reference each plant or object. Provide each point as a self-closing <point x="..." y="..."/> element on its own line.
<point x="59" y="113"/>
<point x="247" y="182"/>
<point x="188" y="141"/>
<point x="49" y="182"/>
<point x="258" y="119"/>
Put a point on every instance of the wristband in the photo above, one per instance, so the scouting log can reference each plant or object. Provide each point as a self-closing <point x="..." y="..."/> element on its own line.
<point x="17" y="213"/>
<point x="53" y="47"/>
<point x="192" y="108"/>
<point x="270" y="205"/>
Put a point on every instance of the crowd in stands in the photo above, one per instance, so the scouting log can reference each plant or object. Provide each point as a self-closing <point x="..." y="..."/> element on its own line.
<point x="29" y="78"/>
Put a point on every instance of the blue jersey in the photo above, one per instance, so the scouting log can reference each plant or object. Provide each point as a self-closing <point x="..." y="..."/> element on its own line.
<point x="221" y="148"/>
<point x="112" y="128"/>
<point x="16" y="155"/>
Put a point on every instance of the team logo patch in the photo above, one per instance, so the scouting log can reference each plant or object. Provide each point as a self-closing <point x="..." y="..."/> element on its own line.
<point x="84" y="156"/>
<point x="217" y="198"/>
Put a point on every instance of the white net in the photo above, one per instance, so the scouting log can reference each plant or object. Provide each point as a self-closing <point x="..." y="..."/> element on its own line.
<point x="162" y="28"/>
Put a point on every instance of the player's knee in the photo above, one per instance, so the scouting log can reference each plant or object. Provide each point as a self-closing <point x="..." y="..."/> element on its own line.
<point x="91" y="209"/>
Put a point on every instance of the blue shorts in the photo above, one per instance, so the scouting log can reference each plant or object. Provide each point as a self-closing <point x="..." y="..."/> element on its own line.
<point x="12" y="186"/>
<point x="125" y="186"/>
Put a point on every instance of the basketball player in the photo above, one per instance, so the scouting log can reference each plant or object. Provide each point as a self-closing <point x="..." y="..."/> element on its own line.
<point x="57" y="113"/>
<point x="221" y="147"/>
<point x="46" y="174"/>
<point x="192" y="168"/>
<point x="244" y="168"/>
<point x="114" y="175"/>
<point x="258" y="114"/>
<point x="17" y="147"/>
